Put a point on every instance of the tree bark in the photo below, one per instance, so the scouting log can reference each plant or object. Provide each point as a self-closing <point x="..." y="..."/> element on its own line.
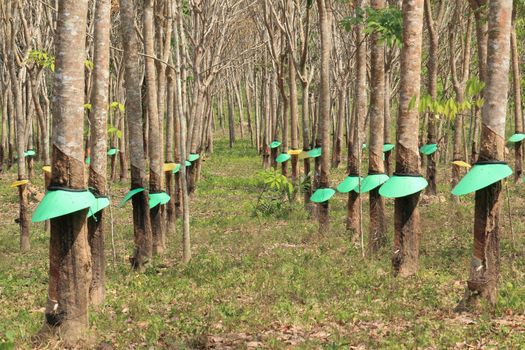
<point x="377" y="235"/>
<point x="406" y="213"/>
<point x="353" y="222"/>
<point x="98" y="144"/>
<point x="154" y="131"/>
<point x="325" y="24"/>
<point x="69" y="257"/>
<point x="518" y="118"/>
<point x="485" y="264"/>
<point x="133" y="82"/>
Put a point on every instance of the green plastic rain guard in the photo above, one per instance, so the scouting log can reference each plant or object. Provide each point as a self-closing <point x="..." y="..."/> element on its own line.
<point x="176" y="169"/>
<point x="88" y="160"/>
<point x="372" y="181"/>
<point x="187" y="163"/>
<point x="401" y="185"/>
<point x="387" y="147"/>
<point x="59" y="202"/>
<point x="112" y="151"/>
<point x="364" y="146"/>
<point x="322" y="195"/>
<point x="130" y="194"/>
<point x="29" y="153"/>
<point x="275" y="144"/>
<point x="193" y="157"/>
<point x="516" y="138"/>
<point x="428" y="149"/>
<point x="314" y="153"/>
<point x="101" y="202"/>
<point x="158" y="198"/>
<point x="481" y="175"/>
<point x="283" y="157"/>
<point x="348" y="184"/>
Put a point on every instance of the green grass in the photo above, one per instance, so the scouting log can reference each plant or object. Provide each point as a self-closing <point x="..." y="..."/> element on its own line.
<point x="275" y="283"/>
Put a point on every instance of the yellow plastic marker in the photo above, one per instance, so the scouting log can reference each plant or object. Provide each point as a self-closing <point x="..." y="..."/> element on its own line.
<point x="462" y="164"/>
<point x="19" y="183"/>
<point x="303" y="155"/>
<point x="295" y="152"/>
<point x="46" y="169"/>
<point x="168" y="167"/>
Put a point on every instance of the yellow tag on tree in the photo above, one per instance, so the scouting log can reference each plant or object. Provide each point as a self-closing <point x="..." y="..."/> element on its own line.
<point x="19" y="183"/>
<point x="462" y="164"/>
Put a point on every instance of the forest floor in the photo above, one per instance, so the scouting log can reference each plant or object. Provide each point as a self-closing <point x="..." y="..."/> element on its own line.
<point x="275" y="282"/>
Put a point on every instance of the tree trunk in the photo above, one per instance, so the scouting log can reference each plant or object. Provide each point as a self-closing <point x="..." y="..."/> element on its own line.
<point x="377" y="235"/>
<point x="66" y="311"/>
<point x="353" y="222"/>
<point x="325" y="25"/>
<point x="154" y="131"/>
<point x="406" y="213"/>
<point x="432" y="65"/>
<point x="19" y="120"/>
<point x="518" y="121"/>
<point x="98" y="144"/>
<point x="178" y="34"/>
<point x="133" y="83"/>
<point x="485" y="264"/>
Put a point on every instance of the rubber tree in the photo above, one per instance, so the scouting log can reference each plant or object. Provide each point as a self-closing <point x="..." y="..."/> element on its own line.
<point x="353" y="220"/>
<point x="324" y="8"/>
<point x="485" y="263"/>
<point x="406" y="213"/>
<point x="154" y="129"/>
<point x="459" y="83"/>
<point x="432" y="66"/>
<point x="16" y="72"/>
<point x="133" y="82"/>
<point x="376" y="165"/>
<point x="98" y="144"/>
<point x="518" y="117"/>
<point x="178" y="36"/>
<point x="479" y="7"/>
<point x="66" y="312"/>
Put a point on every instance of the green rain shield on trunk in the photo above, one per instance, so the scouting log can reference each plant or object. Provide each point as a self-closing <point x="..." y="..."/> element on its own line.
<point x="402" y="185"/>
<point x="59" y="201"/>
<point x="29" y="153"/>
<point x="348" y="184"/>
<point x="372" y="181"/>
<point x="158" y="198"/>
<point x="187" y="163"/>
<point x="283" y="157"/>
<point x="387" y="147"/>
<point x="275" y="144"/>
<point x="112" y="151"/>
<point x="314" y="153"/>
<point x="516" y="138"/>
<point x="101" y="202"/>
<point x="322" y="195"/>
<point x="193" y="157"/>
<point x="176" y="169"/>
<point x="481" y="175"/>
<point x="129" y="195"/>
<point x="428" y="149"/>
<point x="88" y="160"/>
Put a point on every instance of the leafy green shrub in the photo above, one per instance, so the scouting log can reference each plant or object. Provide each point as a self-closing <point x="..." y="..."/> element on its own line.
<point x="276" y="195"/>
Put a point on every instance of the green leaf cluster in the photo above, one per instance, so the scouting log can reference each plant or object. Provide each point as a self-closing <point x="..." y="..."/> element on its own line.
<point x="42" y="58"/>
<point x="387" y="22"/>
